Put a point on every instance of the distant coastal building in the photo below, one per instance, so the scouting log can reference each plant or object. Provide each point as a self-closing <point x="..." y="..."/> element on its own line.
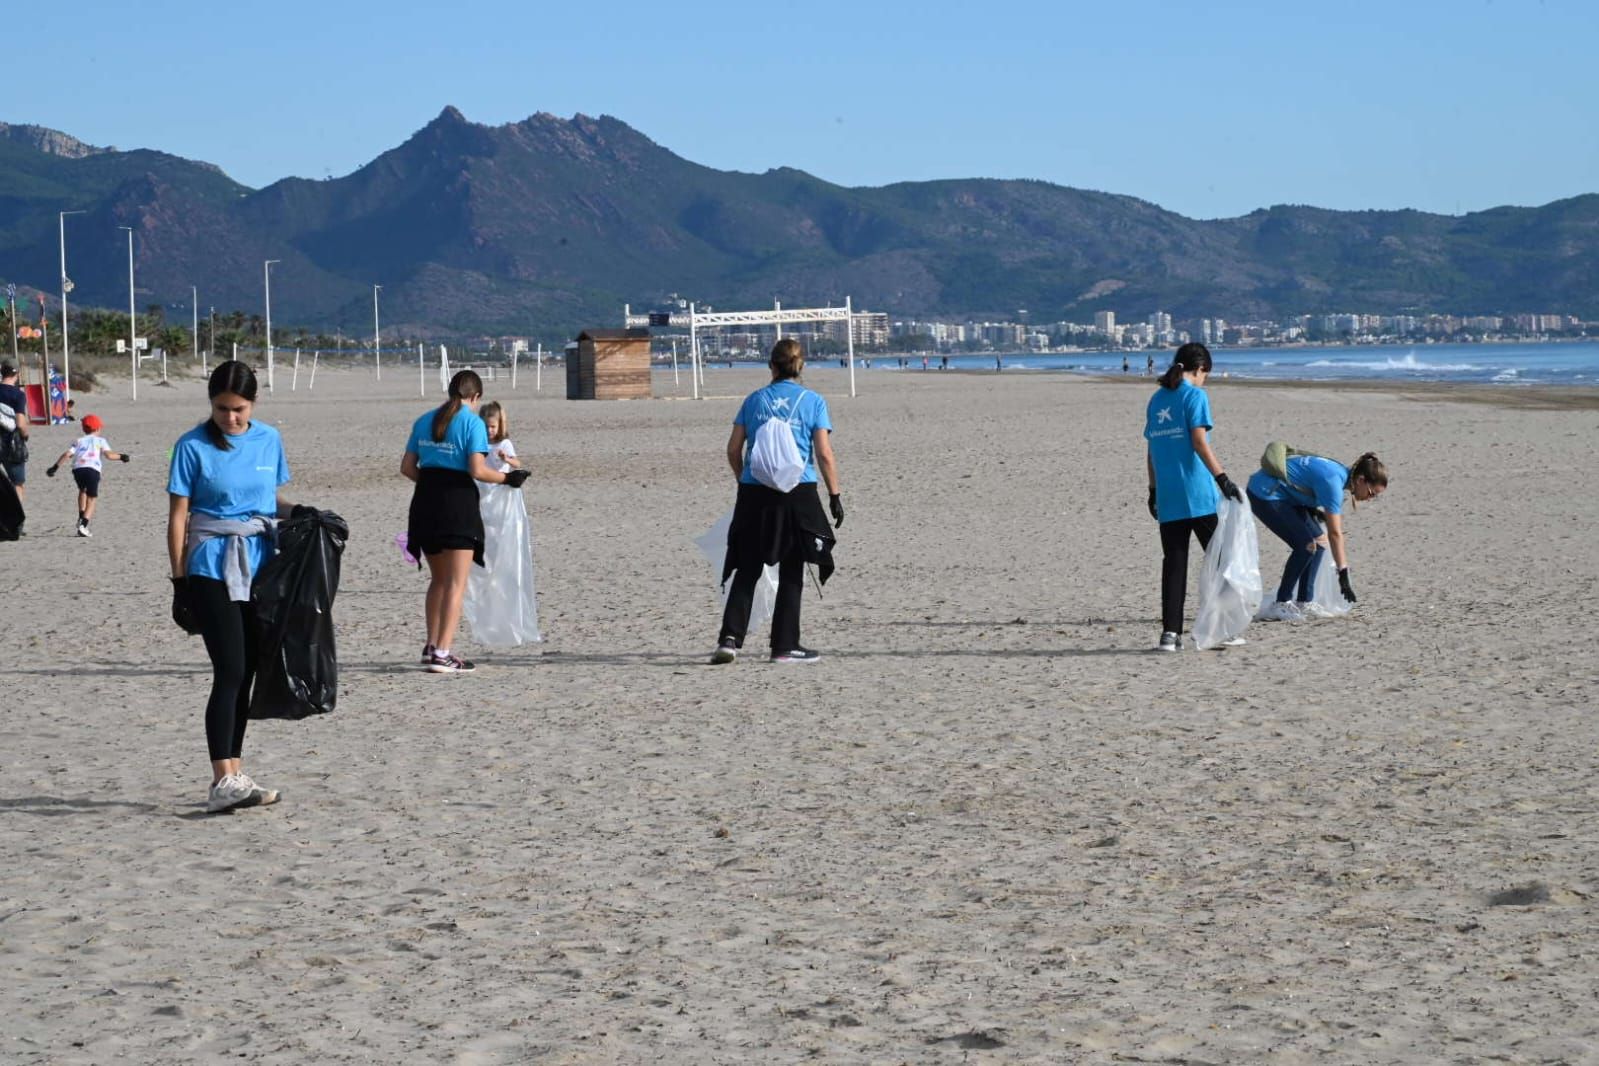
<point x="1105" y="322"/>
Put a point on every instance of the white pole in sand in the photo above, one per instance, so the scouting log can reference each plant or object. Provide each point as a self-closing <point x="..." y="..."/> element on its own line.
<point x="849" y="333"/>
<point x="377" y="338"/>
<point x="694" y="350"/>
<point x="421" y="369"/>
<point x="444" y="368"/>
<point x="538" y="370"/>
<point x="674" y="361"/>
<point x="316" y="355"/>
<point x="294" y="382"/>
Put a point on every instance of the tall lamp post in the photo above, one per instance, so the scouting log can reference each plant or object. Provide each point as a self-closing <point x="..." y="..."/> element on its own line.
<point x="66" y="287"/>
<point x="194" y="305"/>
<point x="266" y="271"/>
<point x="133" y="331"/>
<point x="377" y="346"/>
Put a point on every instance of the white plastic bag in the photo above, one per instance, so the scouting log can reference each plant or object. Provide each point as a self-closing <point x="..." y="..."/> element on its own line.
<point x="501" y="604"/>
<point x="1229" y="578"/>
<point x="1327" y="600"/>
<point x="775" y="459"/>
<point x="713" y="545"/>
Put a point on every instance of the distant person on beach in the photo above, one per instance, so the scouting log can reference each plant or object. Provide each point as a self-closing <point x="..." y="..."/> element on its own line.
<point x="14" y="430"/>
<point x="773" y="527"/>
<point x="924" y="362"/>
<point x="224" y="494"/>
<point x="445" y="454"/>
<point x="1125" y="366"/>
<point x="1306" y="513"/>
<point x="943" y="362"/>
<point x="1149" y="366"/>
<point x="88" y="454"/>
<point x="1184" y="478"/>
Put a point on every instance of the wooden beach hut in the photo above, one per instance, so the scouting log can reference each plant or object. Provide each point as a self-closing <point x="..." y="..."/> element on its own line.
<point x="609" y="364"/>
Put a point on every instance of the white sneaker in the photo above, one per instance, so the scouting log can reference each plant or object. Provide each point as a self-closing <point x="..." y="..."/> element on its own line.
<point x="1279" y="611"/>
<point x="1169" y="641"/>
<point x="1233" y="642"/>
<point x="231" y="792"/>
<point x="83" y="531"/>
<point x="1310" y="609"/>
<point x="264" y="796"/>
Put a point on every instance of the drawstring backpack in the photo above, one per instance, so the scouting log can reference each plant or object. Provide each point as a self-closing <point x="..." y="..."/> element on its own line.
<point x="775" y="459"/>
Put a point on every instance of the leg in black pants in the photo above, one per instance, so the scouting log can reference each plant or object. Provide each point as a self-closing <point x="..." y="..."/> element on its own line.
<point x="1174" y="565"/>
<point x="786" y="611"/>
<point x="229" y="632"/>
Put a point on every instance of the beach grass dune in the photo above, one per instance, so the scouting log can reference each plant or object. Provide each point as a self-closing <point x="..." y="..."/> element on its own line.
<point x="988" y="826"/>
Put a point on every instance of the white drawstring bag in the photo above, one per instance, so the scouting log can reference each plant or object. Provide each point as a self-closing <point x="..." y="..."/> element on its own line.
<point x="1327" y="599"/>
<point x="501" y="604"/>
<point x="713" y="545"/>
<point x="1229" y="579"/>
<point x="775" y="459"/>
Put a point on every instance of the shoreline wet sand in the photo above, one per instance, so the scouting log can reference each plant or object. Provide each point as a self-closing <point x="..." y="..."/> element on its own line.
<point x="988" y="826"/>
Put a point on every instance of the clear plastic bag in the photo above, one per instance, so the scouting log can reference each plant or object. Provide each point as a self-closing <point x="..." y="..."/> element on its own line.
<point x="1229" y="579"/>
<point x="501" y="604"/>
<point x="713" y="545"/>
<point x="1328" y="601"/>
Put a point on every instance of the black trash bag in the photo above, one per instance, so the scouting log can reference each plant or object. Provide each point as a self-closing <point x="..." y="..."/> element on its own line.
<point x="11" y="513"/>
<point x="298" y="672"/>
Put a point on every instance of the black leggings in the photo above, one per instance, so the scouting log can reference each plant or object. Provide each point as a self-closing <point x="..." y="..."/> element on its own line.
<point x="1174" y="565"/>
<point x="785" y="612"/>
<point x="229" y="631"/>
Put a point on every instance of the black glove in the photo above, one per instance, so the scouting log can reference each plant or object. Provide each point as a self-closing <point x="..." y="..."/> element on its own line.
<point x="514" y="478"/>
<point x="182" y="608"/>
<point x="125" y="456"/>
<point x="1344" y="586"/>
<point x="50" y="471"/>
<point x="1152" y="512"/>
<point x="835" y="506"/>
<point x="1228" y="489"/>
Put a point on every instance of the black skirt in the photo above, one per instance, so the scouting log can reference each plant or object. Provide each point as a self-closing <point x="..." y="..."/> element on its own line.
<point x="770" y="526"/>
<point x="444" y="514"/>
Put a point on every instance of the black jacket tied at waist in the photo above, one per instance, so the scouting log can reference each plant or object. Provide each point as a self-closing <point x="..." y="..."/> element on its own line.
<point x="444" y="504"/>
<point x="770" y="526"/>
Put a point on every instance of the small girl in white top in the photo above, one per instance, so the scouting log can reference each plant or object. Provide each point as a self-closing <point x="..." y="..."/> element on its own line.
<point x="501" y="605"/>
<point x="88" y="454"/>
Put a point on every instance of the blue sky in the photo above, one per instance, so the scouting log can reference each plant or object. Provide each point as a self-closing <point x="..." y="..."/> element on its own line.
<point x="1207" y="109"/>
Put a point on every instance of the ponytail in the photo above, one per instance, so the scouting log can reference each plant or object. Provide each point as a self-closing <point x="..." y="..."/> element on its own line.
<point x="1191" y="358"/>
<point x="1369" y="469"/>
<point x="465" y="385"/>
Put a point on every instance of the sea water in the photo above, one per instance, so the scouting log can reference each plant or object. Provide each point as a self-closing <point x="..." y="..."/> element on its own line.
<point x="1563" y="363"/>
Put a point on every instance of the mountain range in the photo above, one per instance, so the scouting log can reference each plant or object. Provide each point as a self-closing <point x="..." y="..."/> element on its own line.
<point x="544" y="226"/>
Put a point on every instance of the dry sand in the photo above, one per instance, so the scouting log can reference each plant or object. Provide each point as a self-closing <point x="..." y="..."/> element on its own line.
<point x="989" y="827"/>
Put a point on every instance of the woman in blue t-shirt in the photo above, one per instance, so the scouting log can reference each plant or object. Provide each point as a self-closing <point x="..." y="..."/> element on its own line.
<point x="773" y="527"/>
<point x="446" y="454"/>
<point x="223" y="499"/>
<point x="1297" y="509"/>
<point x="1184" y="476"/>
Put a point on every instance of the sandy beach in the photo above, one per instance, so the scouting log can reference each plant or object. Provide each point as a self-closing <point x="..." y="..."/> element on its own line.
<point x="990" y="826"/>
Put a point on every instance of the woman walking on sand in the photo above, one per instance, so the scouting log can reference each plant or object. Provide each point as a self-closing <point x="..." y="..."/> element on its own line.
<point x="223" y="501"/>
<point x="782" y="427"/>
<point x="1184" y="478"/>
<point x="445" y="455"/>
<point x="1299" y="508"/>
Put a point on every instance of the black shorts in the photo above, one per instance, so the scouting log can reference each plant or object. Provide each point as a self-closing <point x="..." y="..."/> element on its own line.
<point x="88" y="480"/>
<point x="446" y="542"/>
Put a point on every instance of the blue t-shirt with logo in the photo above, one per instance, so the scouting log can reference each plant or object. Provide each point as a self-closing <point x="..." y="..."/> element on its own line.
<point x="236" y="484"/>
<point x="1184" y="488"/>
<point x="466" y="434"/>
<point x="804" y="410"/>
<point x="1314" y="481"/>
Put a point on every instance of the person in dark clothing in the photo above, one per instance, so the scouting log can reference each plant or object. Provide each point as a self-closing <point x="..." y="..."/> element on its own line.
<point x="775" y="527"/>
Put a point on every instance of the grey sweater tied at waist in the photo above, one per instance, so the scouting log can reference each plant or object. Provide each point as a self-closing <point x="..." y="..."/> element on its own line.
<point x="236" y="570"/>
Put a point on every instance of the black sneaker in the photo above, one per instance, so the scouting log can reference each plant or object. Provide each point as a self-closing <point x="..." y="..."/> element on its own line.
<point x="796" y="655"/>
<point x="726" y="652"/>
<point x="449" y="664"/>
<point x="427" y="654"/>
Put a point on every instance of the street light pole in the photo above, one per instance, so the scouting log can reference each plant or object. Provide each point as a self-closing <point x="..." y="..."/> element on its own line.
<point x="194" y="304"/>
<point x="266" y="271"/>
<point x="66" y="287"/>
<point x="377" y="346"/>
<point x="133" y="330"/>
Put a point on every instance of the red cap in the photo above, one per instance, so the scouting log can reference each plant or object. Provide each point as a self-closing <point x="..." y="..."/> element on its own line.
<point x="92" y="423"/>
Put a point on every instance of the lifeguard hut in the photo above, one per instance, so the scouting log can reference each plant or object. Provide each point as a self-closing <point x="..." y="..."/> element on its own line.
<point x="609" y="364"/>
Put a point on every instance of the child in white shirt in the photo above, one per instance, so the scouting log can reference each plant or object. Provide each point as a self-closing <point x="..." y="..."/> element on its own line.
<point x="88" y="454"/>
